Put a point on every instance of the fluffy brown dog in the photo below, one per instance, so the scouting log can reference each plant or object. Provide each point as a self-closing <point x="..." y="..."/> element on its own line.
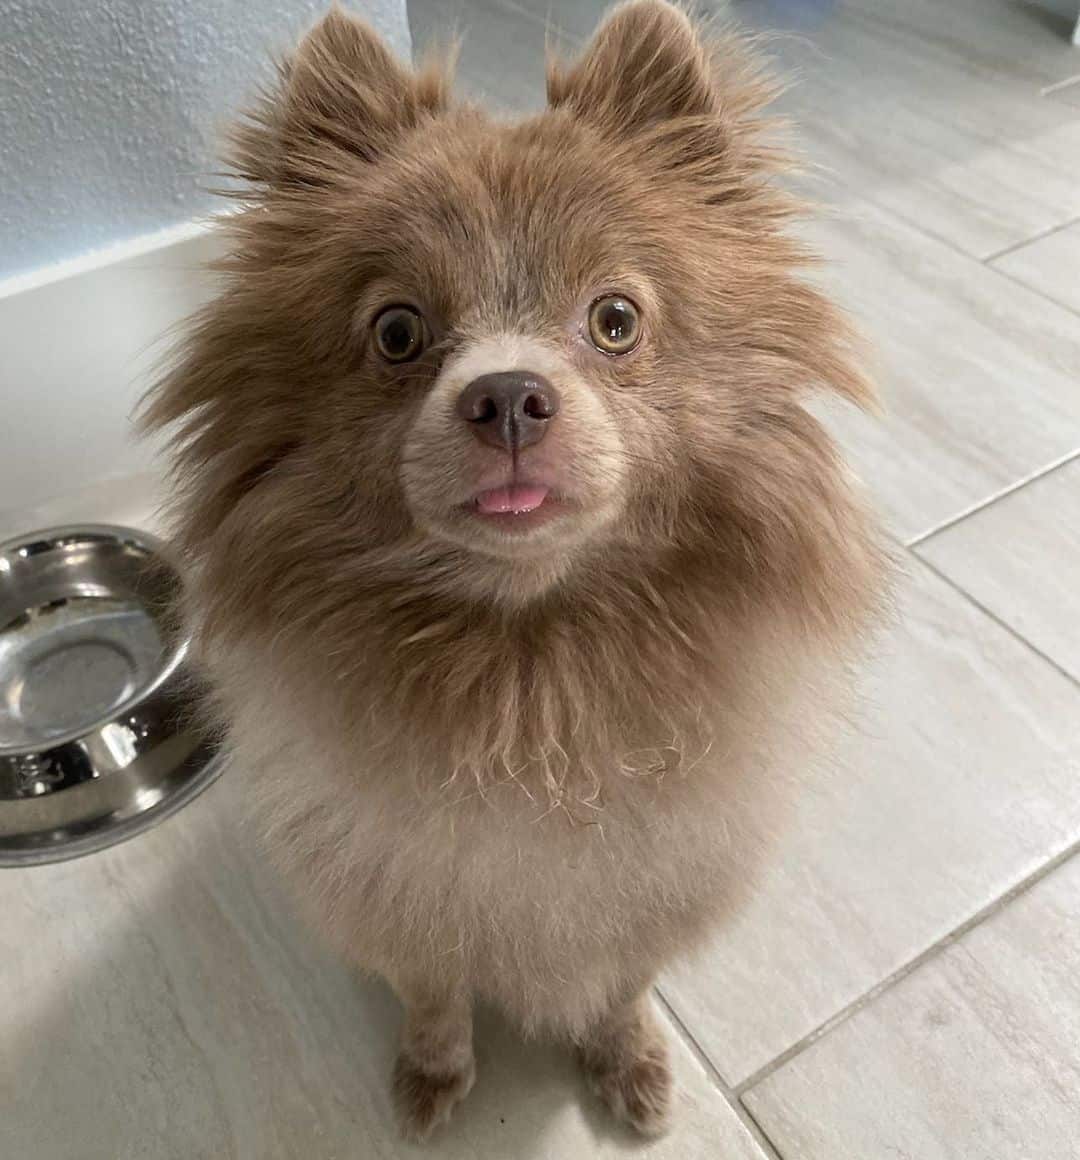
<point x="515" y="560"/>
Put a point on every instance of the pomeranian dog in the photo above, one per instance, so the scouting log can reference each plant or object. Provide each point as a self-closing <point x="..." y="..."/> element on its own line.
<point x="519" y="570"/>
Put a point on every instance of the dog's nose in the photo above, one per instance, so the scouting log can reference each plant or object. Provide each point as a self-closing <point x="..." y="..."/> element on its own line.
<point x="509" y="409"/>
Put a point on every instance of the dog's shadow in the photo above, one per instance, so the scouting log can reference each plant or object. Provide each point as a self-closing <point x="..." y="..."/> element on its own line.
<point x="162" y="1001"/>
<point x="530" y="1100"/>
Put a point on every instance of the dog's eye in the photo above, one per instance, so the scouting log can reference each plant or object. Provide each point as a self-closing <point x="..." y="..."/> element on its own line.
<point x="399" y="334"/>
<point x="614" y="324"/>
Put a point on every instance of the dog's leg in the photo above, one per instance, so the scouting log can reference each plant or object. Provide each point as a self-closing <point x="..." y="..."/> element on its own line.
<point x="626" y="1060"/>
<point x="435" y="1068"/>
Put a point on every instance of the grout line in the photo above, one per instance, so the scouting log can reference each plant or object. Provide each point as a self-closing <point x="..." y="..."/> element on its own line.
<point x="753" y="1122"/>
<point x="864" y="1000"/>
<point x="1072" y="678"/>
<point x="990" y="259"/>
<point x="1016" y="281"/>
<point x="868" y="199"/>
<point x="1068" y="82"/>
<point x="743" y="1113"/>
<point x="852" y="201"/>
<point x="547" y="22"/>
<point x="990" y="500"/>
<point x="853" y="198"/>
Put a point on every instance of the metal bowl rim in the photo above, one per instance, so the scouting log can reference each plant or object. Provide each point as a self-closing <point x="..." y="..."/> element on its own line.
<point x="118" y="533"/>
<point x="106" y="836"/>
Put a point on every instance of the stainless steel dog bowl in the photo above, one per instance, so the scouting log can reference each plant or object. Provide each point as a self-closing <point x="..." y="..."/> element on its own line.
<point x="97" y="735"/>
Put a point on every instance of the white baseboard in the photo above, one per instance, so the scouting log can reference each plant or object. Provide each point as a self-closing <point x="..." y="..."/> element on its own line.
<point x="106" y="256"/>
<point x="79" y="344"/>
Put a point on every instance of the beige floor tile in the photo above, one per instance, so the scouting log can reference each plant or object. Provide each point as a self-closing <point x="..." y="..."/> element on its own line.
<point x="574" y="19"/>
<point x="1067" y="94"/>
<point x="502" y="52"/>
<point x="934" y="110"/>
<point x="978" y="374"/>
<point x="160" y="1001"/>
<point x="962" y="780"/>
<point x="975" y="1056"/>
<point x="1020" y="558"/>
<point x="1050" y="264"/>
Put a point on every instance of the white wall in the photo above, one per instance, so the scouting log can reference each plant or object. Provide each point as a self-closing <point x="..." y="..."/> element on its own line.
<point x="107" y="113"/>
<point x="110" y="110"/>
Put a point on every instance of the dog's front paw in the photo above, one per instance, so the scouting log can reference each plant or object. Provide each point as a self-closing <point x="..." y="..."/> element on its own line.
<point x="626" y="1061"/>
<point x="423" y="1099"/>
<point x="638" y="1090"/>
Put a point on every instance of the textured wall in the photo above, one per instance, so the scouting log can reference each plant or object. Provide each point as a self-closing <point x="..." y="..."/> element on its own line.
<point x="110" y="110"/>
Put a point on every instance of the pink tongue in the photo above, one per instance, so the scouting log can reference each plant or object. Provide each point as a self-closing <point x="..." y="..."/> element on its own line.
<point x="516" y="498"/>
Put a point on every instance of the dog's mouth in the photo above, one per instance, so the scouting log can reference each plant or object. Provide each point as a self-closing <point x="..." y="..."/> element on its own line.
<point x="517" y="499"/>
<point x="517" y="506"/>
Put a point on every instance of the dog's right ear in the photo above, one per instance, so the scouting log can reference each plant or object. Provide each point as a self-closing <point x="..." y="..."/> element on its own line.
<point x="645" y="64"/>
<point x="342" y="97"/>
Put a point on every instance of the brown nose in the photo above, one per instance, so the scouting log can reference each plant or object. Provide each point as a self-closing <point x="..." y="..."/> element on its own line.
<point x="510" y="409"/>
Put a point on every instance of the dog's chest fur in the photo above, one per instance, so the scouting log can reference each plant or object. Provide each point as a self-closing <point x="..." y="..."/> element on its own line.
<point x="543" y="905"/>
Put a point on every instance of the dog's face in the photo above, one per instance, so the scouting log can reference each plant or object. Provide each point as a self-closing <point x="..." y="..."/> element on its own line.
<point x="515" y="342"/>
<point x="509" y="340"/>
<point x="520" y="341"/>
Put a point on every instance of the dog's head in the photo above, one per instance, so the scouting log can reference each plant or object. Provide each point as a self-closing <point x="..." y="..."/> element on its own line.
<point x="515" y="343"/>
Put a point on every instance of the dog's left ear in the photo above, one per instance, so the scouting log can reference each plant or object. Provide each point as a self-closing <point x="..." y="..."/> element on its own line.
<point x="644" y="65"/>
<point x="342" y="95"/>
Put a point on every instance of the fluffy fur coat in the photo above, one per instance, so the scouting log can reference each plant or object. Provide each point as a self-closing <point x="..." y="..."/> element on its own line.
<point x="528" y="762"/>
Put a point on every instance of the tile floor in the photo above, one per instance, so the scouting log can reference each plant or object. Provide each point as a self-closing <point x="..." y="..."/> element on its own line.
<point x="906" y="981"/>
